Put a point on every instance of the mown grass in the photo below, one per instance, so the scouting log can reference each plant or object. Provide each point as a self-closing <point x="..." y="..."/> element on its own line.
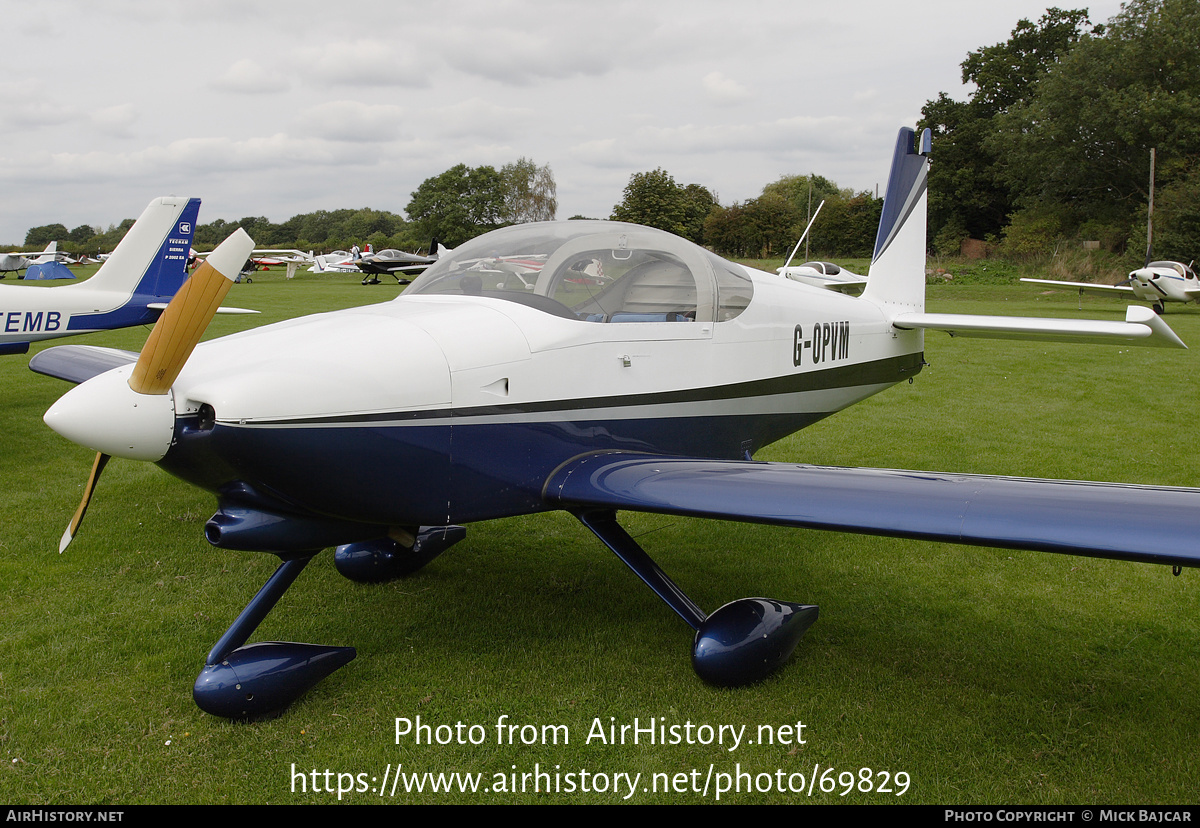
<point x="989" y="676"/>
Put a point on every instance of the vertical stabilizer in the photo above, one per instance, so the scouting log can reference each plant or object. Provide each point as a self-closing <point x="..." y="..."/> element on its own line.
<point x="896" y="280"/>
<point x="151" y="261"/>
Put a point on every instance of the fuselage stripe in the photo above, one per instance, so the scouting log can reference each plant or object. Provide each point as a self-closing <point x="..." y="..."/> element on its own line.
<point x="842" y="378"/>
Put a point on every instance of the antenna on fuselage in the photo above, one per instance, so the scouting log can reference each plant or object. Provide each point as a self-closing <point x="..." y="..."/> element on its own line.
<point x="1150" y="214"/>
<point x="802" y="235"/>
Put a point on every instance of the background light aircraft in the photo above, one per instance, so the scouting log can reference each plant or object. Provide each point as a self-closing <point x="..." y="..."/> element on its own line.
<point x="394" y="262"/>
<point x="131" y="287"/>
<point x="265" y="258"/>
<point x="339" y="261"/>
<point x="1154" y="282"/>
<point x="826" y="275"/>
<point x="291" y="259"/>
<point x="650" y="392"/>
<point x="821" y="274"/>
<point x="13" y="262"/>
<point x="1157" y="283"/>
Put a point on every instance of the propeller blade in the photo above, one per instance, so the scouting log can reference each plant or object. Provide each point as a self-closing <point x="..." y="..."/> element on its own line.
<point x="185" y="319"/>
<point x="107" y="414"/>
<point x="73" y="527"/>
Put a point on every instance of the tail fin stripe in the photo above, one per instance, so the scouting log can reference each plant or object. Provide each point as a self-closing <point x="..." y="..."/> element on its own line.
<point x="906" y="184"/>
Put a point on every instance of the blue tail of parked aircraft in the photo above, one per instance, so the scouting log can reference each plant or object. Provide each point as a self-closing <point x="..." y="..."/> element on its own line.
<point x="131" y="288"/>
<point x="896" y="280"/>
<point x="147" y="268"/>
<point x="152" y="259"/>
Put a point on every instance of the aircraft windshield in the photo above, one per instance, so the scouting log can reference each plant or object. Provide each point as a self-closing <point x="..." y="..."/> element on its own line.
<point x="1179" y="267"/>
<point x="593" y="271"/>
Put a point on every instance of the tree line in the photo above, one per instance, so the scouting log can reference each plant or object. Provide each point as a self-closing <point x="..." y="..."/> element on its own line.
<point x="1054" y="143"/>
<point x="763" y="227"/>
<point x="453" y="207"/>
<point x="1052" y="146"/>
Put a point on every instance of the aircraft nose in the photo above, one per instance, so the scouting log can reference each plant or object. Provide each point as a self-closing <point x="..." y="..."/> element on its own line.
<point x="105" y="414"/>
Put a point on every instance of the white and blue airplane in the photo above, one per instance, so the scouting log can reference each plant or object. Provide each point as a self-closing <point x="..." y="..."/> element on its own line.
<point x="1156" y="283"/>
<point x="649" y="391"/>
<point x="132" y="287"/>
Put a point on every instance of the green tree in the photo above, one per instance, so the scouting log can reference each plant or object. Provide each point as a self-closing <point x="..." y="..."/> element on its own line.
<point x="655" y="200"/>
<point x="1085" y="136"/>
<point x="846" y="226"/>
<point x="1177" y="218"/>
<point x="81" y="234"/>
<point x="802" y="190"/>
<point x="530" y="193"/>
<point x="42" y="236"/>
<point x="459" y="204"/>
<point x="770" y="224"/>
<point x="967" y="185"/>
<point x="699" y="202"/>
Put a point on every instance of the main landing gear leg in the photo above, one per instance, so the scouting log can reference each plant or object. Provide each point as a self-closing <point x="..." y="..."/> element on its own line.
<point x="252" y="681"/>
<point x="742" y="642"/>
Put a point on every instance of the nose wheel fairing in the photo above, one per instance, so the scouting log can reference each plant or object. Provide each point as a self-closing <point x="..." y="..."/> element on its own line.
<point x="249" y="681"/>
<point x="246" y="682"/>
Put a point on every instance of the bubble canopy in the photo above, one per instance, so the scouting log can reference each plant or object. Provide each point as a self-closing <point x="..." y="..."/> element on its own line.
<point x="593" y="271"/>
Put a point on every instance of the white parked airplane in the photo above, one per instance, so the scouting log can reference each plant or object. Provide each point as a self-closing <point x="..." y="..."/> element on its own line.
<point x="269" y="257"/>
<point x="13" y="262"/>
<point x="648" y="391"/>
<point x="821" y="274"/>
<point x="1154" y="282"/>
<point x="1157" y="283"/>
<point x="339" y="261"/>
<point x="826" y="275"/>
<point x="132" y="287"/>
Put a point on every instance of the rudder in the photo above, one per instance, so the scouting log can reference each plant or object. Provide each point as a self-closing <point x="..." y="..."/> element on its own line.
<point x="896" y="279"/>
<point x="151" y="261"/>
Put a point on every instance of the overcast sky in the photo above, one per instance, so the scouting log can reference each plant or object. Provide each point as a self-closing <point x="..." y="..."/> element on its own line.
<point x="278" y="107"/>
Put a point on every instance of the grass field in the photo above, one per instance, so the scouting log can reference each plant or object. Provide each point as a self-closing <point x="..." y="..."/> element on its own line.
<point x="985" y="676"/>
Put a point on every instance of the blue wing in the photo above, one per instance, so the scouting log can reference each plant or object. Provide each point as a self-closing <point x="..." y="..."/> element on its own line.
<point x="79" y="363"/>
<point x="1153" y="524"/>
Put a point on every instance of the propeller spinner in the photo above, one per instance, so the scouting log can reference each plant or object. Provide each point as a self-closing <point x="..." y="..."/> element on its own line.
<point x="130" y="411"/>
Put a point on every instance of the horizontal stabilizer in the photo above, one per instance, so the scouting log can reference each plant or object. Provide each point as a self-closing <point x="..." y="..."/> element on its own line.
<point x="1150" y="524"/>
<point x="79" y="363"/>
<point x="159" y="306"/>
<point x="1142" y="326"/>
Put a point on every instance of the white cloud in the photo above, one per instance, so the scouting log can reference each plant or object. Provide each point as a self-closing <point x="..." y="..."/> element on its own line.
<point x="723" y="91"/>
<point x="528" y="58"/>
<point x="115" y="121"/>
<point x="364" y="62"/>
<point x="245" y="77"/>
<point x="481" y="119"/>
<point x="353" y="121"/>
<point x="26" y="105"/>
<point x="602" y="152"/>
